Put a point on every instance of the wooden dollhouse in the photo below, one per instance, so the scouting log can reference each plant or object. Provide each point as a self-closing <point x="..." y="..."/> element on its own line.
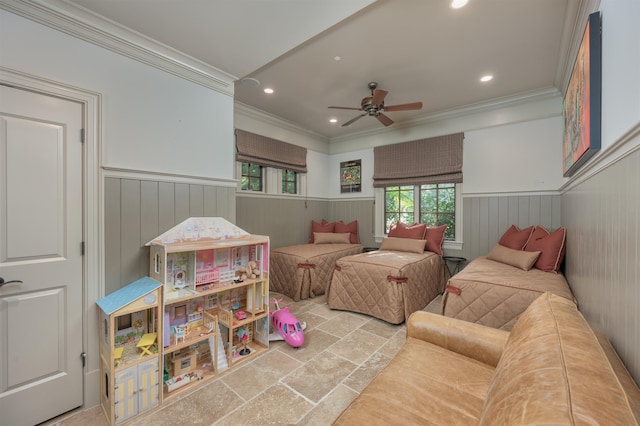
<point x="203" y="309"/>
<point x="130" y="362"/>
<point x="215" y="283"/>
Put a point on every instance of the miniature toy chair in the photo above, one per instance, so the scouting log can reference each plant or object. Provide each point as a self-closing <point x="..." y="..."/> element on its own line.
<point x="181" y="331"/>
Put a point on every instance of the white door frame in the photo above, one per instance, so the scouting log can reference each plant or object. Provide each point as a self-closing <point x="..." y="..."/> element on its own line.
<point x="92" y="227"/>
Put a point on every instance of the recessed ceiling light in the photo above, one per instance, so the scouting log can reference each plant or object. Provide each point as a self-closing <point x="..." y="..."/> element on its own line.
<point x="457" y="4"/>
<point x="268" y="90"/>
<point x="333" y="120"/>
<point x="486" y="78"/>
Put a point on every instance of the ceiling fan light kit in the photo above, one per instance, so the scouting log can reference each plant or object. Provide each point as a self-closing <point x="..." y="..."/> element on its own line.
<point x="374" y="106"/>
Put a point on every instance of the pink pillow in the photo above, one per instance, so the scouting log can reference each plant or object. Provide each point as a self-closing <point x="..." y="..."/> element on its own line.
<point x="435" y="238"/>
<point x="551" y="245"/>
<point x="320" y="227"/>
<point x="351" y="227"/>
<point x="515" y="238"/>
<point x="415" y="231"/>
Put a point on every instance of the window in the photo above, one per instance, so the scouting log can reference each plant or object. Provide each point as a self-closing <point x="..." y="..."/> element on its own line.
<point x="289" y="180"/>
<point x="438" y="207"/>
<point x="251" y="177"/>
<point x="433" y="204"/>
<point x="398" y="206"/>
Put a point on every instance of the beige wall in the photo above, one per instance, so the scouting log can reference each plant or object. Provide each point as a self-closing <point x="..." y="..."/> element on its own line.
<point x="602" y="215"/>
<point x="136" y="211"/>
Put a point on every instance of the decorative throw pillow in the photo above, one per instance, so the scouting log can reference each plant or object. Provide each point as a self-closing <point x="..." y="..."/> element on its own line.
<point x="331" y="238"/>
<point x="518" y="258"/>
<point x="551" y="245"/>
<point x="416" y="231"/>
<point x="320" y="227"/>
<point x="515" y="238"/>
<point x="351" y="227"/>
<point x="402" y="244"/>
<point x="435" y="238"/>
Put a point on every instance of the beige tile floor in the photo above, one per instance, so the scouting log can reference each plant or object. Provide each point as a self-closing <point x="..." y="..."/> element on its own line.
<point x="310" y="385"/>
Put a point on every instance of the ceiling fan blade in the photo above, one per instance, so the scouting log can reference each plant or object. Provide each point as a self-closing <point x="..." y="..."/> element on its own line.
<point x="378" y="96"/>
<point x="337" y="107"/>
<point x="404" y="107"/>
<point x="384" y="119"/>
<point x="348" y="123"/>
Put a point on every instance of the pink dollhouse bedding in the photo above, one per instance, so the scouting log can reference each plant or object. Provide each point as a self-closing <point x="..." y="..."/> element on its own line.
<point x="305" y="270"/>
<point x="387" y="284"/>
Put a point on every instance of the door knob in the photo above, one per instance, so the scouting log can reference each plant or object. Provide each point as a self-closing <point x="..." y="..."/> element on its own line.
<point x="3" y="282"/>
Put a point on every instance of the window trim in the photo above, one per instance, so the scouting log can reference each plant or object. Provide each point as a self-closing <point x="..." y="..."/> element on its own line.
<point x="379" y="218"/>
<point x="272" y="182"/>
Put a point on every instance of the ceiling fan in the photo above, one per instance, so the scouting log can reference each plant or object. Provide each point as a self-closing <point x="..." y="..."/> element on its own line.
<point x="374" y="106"/>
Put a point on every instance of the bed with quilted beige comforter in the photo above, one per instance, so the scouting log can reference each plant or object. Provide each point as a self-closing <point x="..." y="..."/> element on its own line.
<point x="386" y="284"/>
<point x="495" y="294"/>
<point x="305" y="270"/>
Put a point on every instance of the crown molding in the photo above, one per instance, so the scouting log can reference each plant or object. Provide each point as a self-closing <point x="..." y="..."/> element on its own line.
<point x="84" y="25"/>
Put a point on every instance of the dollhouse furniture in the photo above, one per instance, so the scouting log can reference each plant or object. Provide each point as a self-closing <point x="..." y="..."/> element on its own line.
<point x="200" y="302"/>
<point x="130" y="379"/>
<point x="145" y="343"/>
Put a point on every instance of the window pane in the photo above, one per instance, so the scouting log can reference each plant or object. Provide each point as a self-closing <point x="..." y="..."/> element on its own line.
<point x="251" y="179"/>
<point x="438" y="206"/>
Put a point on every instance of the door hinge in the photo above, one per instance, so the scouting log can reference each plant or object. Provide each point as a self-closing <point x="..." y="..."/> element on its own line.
<point x="82" y="248"/>
<point x="81" y="135"/>
<point x="83" y="355"/>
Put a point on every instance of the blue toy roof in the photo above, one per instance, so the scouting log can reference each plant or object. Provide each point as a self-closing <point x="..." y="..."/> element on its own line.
<point x="125" y="295"/>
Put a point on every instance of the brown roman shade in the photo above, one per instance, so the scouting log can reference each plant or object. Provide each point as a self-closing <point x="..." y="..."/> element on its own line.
<point x="419" y="162"/>
<point x="256" y="149"/>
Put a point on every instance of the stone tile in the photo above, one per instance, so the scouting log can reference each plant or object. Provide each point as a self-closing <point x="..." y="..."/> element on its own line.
<point x="93" y="416"/>
<point x="394" y="344"/>
<point x="360" y="378"/>
<point x="357" y="346"/>
<point x="204" y="406"/>
<point x="380" y="328"/>
<point x="278" y="405"/>
<point x="329" y="408"/>
<point x="342" y="324"/>
<point x="325" y="311"/>
<point x="435" y="305"/>
<point x="319" y="376"/>
<point x="315" y="341"/>
<point x="251" y="379"/>
<point x="311" y="319"/>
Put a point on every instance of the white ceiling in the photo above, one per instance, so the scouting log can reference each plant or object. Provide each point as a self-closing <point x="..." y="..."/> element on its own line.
<point x="418" y="50"/>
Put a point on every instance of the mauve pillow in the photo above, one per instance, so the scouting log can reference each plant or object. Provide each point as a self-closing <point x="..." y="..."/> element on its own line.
<point x="416" y="231"/>
<point x="320" y="227"/>
<point x="351" y="227"/>
<point x="435" y="238"/>
<point x="517" y="258"/>
<point x="515" y="238"/>
<point x="402" y="244"/>
<point x="551" y="245"/>
<point x="330" y="238"/>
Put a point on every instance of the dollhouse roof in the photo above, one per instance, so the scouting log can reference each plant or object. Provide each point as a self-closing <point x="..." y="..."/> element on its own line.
<point x="201" y="229"/>
<point x="128" y="294"/>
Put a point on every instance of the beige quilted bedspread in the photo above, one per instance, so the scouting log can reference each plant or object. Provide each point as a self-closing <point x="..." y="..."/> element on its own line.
<point x="389" y="285"/>
<point x="305" y="270"/>
<point x="495" y="294"/>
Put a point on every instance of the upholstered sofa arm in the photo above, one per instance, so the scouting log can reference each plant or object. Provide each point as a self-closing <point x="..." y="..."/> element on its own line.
<point x="475" y="341"/>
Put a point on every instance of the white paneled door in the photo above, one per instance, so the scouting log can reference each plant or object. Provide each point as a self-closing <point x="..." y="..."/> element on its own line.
<point x="41" y="266"/>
